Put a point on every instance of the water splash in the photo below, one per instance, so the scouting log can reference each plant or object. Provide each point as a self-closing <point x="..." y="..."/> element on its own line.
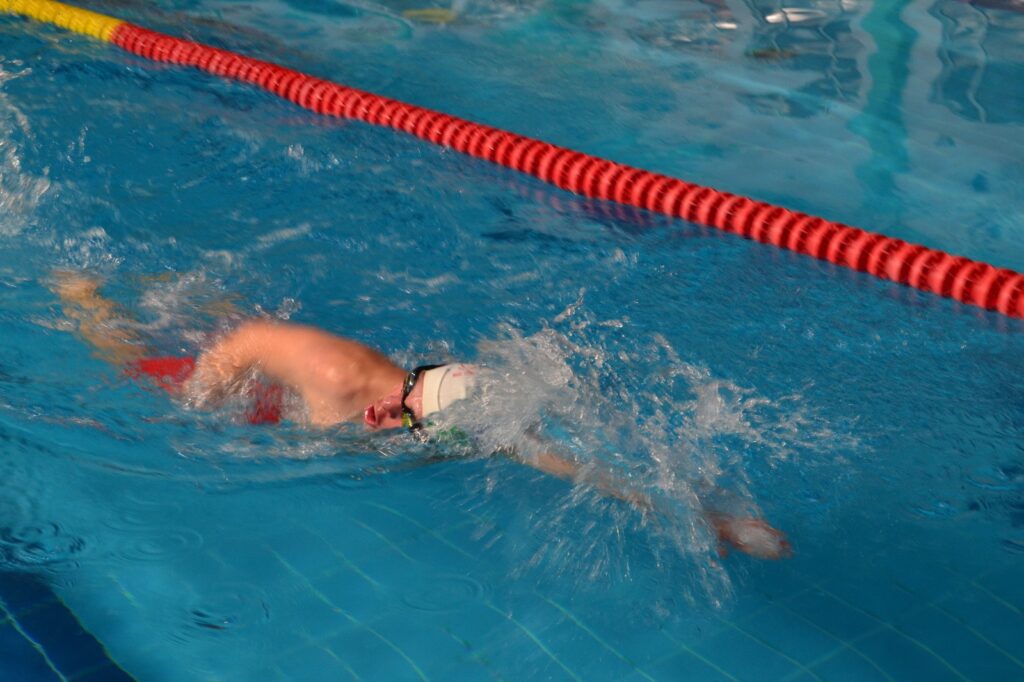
<point x="20" y="191"/>
<point x="633" y="412"/>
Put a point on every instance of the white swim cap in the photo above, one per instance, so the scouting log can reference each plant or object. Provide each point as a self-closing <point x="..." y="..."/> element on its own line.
<point x="446" y="384"/>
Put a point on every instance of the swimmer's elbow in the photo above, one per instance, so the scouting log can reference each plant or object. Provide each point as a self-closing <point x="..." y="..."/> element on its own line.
<point x="230" y="357"/>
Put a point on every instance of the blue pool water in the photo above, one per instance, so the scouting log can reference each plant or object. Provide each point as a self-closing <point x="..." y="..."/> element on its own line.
<point x="881" y="428"/>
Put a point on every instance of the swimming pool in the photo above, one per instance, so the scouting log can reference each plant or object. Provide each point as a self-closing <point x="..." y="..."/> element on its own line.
<point x="880" y="427"/>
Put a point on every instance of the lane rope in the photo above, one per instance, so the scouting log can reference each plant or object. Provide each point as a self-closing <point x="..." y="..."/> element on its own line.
<point x="932" y="270"/>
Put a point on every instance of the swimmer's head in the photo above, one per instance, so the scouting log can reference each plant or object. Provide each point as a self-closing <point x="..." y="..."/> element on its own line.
<point x="425" y="390"/>
<point x="445" y="385"/>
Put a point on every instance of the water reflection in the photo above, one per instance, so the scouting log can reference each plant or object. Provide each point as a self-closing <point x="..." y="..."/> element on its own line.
<point x="982" y="57"/>
<point x="819" y="38"/>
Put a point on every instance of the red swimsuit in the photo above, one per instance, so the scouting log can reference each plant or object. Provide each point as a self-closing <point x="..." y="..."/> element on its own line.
<point x="170" y="373"/>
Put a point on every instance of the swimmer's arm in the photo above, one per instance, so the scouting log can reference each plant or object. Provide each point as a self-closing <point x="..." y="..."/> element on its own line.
<point x="604" y="482"/>
<point x="272" y="348"/>
<point x="746" y="534"/>
<point x="323" y="368"/>
<point x="221" y="368"/>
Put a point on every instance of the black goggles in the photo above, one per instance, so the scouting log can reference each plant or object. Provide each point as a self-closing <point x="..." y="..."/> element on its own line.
<point x="408" y="418"/>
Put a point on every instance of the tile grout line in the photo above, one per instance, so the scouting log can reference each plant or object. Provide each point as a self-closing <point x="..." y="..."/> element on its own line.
<point x="974" y="582"/>
<point x="921" y="645"/>
<point x="427" y="529"/>
<point x="123" y="590"/>
<point x="700" y="657"/>
<point x="685" y="647"/>
<point x="474" y="654"/>
<point x="330" y="652"/>
<point x="17" y="626"/>
<point x="534" y="638"/>
<point x="843" y="645"/>
<point x="800" y="666"/>
<point x="341" y="555"/>
<point x="999" y="599"/>
<point x="321" y="596"/>
<point x="594" y="635"/>
<point x="977" y="634"/>
<point x="91" y="670"/>
<point x="391" y="543"/>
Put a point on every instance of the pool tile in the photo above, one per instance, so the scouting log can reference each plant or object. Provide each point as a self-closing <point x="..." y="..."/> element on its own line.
<point x="640" y="675"/>
<point x="525" y="611"/>
<point x="873" y="593"/>
<point x="791" y="634"/>
<point x="745" y="658"/>
<point x="252" y="558"/>
<point x="107" y="673"/>
<point x="1005" y="585"/>
<point x="19" y="660"/>
<point x="848" y="665"/>
<point x="521" y="658"/>
<point x="959" y="646"/>
<point x="640" y="642"/>
<point x="990" y="617"/>
<point x="314" y="613"/>
<point x="438" y="552"/>
<point x="394" y="524"/>
<point x="304" y="551"/>
<point x="685" y="666"/>
<point x="831" y="615"/>
<point x="71" y="648"/>
<point x="314" y="662"/>
<point x="927" y="581"/>
<point x="473" y="536"/>
<point x="581" y="653"/>
<point x="363" y="537"/>
<point x="387" y="571"/>
<point x="422" y="637"/>
<point x="275" y="674"/>
<point x="477" y="628"/>
<point x="902" y="659"/>
<point x="777" y="580"/>
<point x="469" y="670"/>
<point x="21" y="592"/>
<point x="351" y="594"/>
<point x="374" y="659"/>
<point x="48" y="622"/>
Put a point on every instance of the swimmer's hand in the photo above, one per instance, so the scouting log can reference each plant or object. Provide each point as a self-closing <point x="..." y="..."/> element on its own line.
<point x="751" y="536"/>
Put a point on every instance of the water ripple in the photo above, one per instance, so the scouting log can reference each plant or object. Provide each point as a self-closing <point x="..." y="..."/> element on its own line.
<point x="169" y="543"/>
<point x="230" y="606"/>
<point x="40" y="544"/>
<point x="442" y="592"/>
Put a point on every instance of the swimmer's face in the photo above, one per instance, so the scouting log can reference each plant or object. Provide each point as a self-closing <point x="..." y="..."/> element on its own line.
<point x="386" y="411"/>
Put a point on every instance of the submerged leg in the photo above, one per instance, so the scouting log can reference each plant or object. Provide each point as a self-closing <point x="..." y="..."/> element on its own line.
<point x="100" y="320"/>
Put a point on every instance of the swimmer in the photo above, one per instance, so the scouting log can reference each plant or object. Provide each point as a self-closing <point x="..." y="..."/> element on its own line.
<point x="340" y="380"/>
